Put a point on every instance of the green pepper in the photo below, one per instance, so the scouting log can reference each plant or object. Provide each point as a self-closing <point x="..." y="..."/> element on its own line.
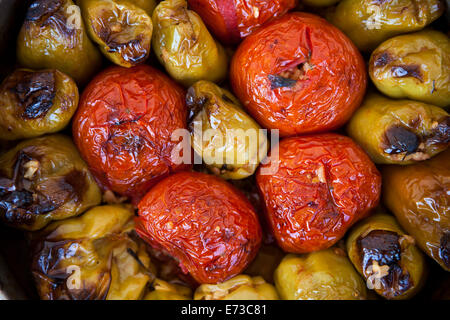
<point x="368" y="23"/>
<point x="320" y="275"/>
<point x="44" y="179"/>
<point x="184" y="45"/>
<point x="122" y="30"/>
<point x="53" y="36"/>
<point x="414" y="66"/>
<point x="418" y="195"/>
<point x="241" y="287"/>
<point x="387" y="257"/>
<point x="33" y="103"/>
<point x="230" y="142"/>
<point x="94" y="256"/>
<point x="399" y="131"/>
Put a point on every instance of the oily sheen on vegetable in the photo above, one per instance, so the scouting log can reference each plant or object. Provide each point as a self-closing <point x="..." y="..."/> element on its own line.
<point x="299" y="74"/>
<point x="323" y="185"/>
<point x="233" y="20"/>
<point x="202" y="221"/>
<point x="123" y="128"/>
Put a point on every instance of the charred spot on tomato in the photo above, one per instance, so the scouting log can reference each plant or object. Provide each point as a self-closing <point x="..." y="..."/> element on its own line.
<point x="444" y="248"/>
<point x="290" y="76"/>
<point x="35" y="92"/>
<point x="399" y="140"/>
<point x="382" y="248"/>
<point x="39" y="9"/>
<point x="124" y="143"/>
<point x="383" y="59"/>
<point x="277" y="81"/>
<point x="407" y="71"/>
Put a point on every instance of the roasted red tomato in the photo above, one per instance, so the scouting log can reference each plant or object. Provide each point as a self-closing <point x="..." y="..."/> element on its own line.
<point x="324" y="183"/>
<point x="203" y="222"/>
<point x="233" y="20"/>
<point x="299" y="74"/>
<point x="123" y="128"/>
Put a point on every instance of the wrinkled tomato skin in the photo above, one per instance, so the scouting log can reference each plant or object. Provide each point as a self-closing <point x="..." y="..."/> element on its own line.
<point x="203" y="222"/>
<point x="123" y="128"/>
<point x="233" y="20"/>
<point x="323" y="185"/>
<point x="327" y="81"/>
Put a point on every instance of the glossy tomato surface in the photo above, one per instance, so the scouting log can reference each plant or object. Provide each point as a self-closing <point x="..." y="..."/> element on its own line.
<point x="324" y="184"/>
<point x="203" y="222"/>
<point x="233" y="20"/>
<point x="123" y="128"/>
<point x="299" y="74"/>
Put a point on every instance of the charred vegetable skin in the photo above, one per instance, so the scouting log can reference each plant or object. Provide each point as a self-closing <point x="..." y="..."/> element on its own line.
<point x="33" y="103"/>
<point x="233" y="20"/>
<point x="213" y="109"/>
<point x="387" y="257"/>
<point x="92" y="257"/>
<point x="44" y="179"/>
<point x="418" y="195"/>
<point x="368" y="23"/>
<point x="122" y="30"/>
<point x="289" y="80"/>
<point x="241" y="287"/>
<point x="399" y="131"/>
<point x="53" y="36"/>
<point x="414" y="66"/>
<point x="123" y="128"/>
<point x="323" y="185"/>
<point x="203" y="222"/>
<point x="184" y="45"/>
<point x="321" y="275"/>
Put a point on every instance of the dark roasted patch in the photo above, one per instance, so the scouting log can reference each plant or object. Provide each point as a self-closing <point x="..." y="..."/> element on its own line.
<point x="384" y="247"/>
<point x="194" y="103"/>
<point x="74" y="185"/>
<point x="19" y="201"/>
<point x="280" y="82"/>
<point x="35" y="91"/>
<point x="399" y="140"/>
<point x="50" y="273"/>
<point x="407" y="71"/>
<point x="131" y="51"/>
<point x="41" y="8"/>
<point x="124" y="142"/>
<point x="444" y="248"/>
<point x="382" y="59"/>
